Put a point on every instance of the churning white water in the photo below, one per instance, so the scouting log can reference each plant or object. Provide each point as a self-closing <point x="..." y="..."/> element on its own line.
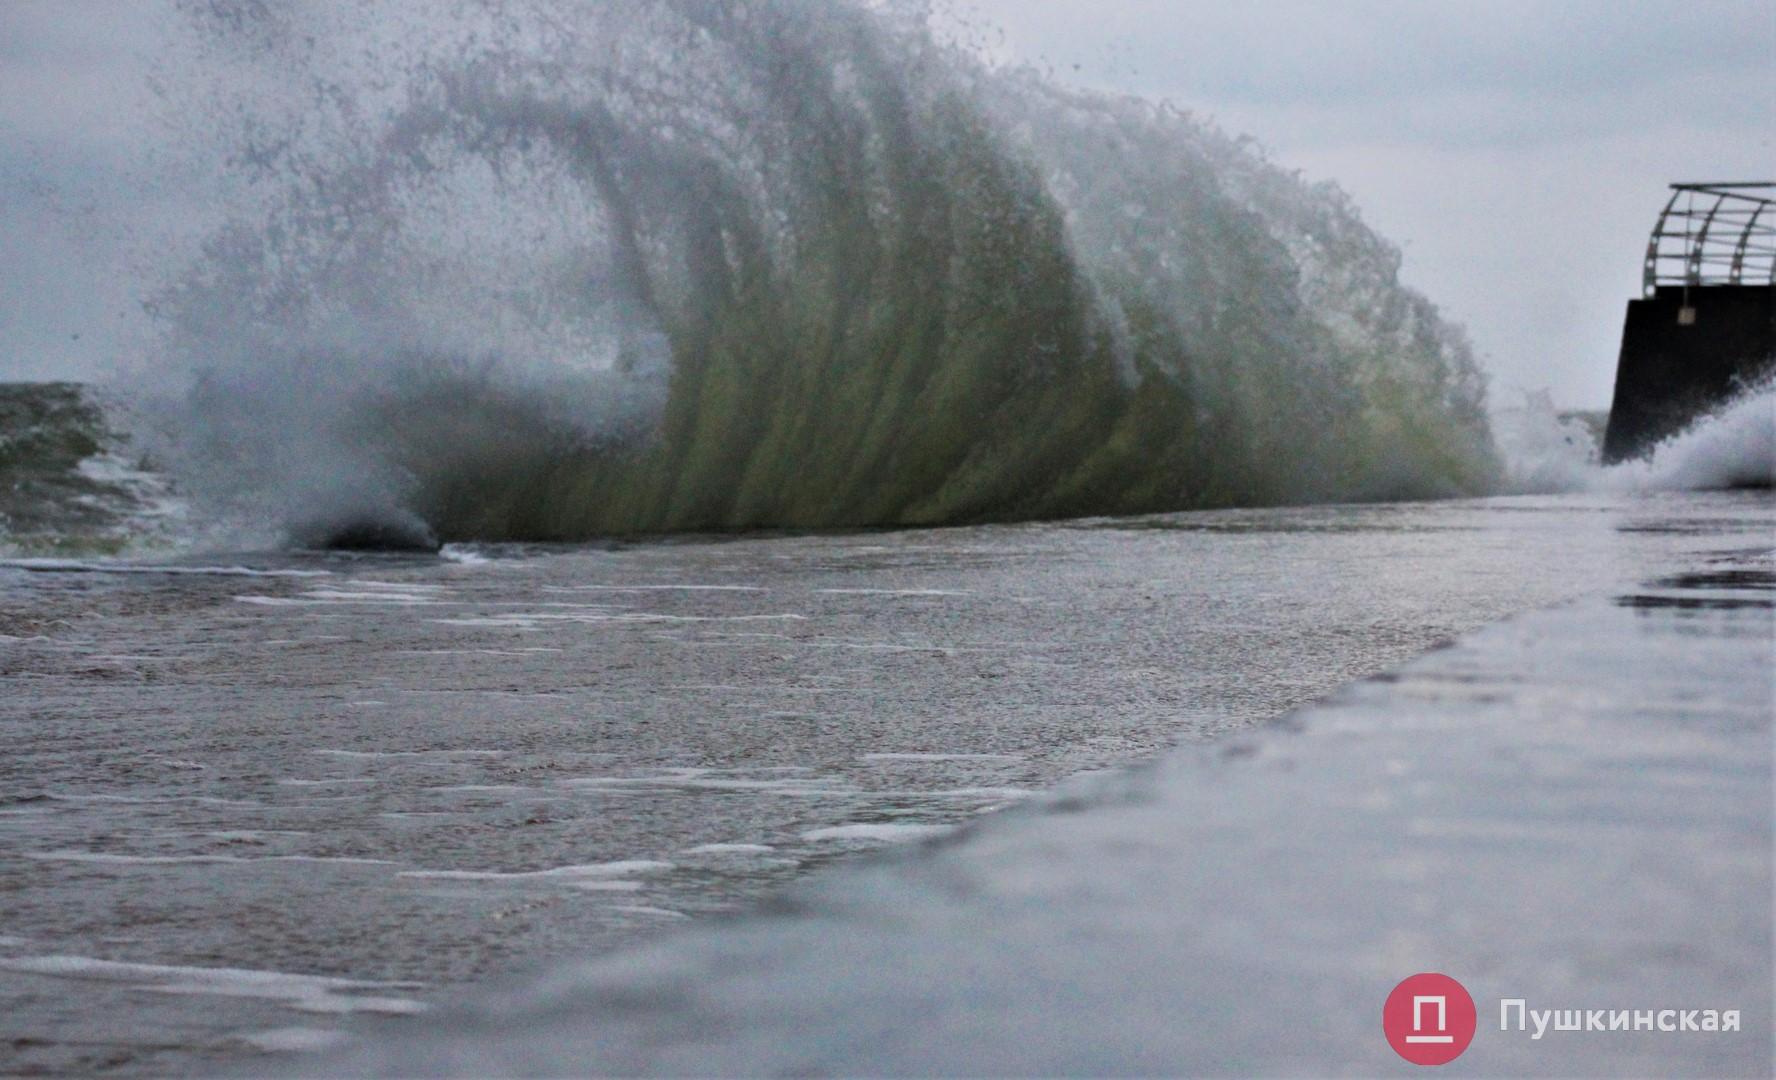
<point x="1732" y="447"/>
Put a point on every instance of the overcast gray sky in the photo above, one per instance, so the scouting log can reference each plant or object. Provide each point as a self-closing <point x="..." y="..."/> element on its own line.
<point x="1517" y="151"/>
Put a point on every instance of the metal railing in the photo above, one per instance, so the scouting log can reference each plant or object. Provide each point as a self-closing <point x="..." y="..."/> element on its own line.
<point x="1714" y="234"/>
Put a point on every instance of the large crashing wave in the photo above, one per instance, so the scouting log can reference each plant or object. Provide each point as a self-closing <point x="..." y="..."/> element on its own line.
<point x="554" y="270"/>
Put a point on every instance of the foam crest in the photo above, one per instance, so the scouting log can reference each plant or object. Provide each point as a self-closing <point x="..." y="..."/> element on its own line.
<point x="575" y="875"/>
<point x="308" y="993"/>
<point x="877" y="831"/>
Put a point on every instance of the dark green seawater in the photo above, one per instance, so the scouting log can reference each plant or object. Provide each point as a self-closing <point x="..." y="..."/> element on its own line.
<point x="69" y="482"/>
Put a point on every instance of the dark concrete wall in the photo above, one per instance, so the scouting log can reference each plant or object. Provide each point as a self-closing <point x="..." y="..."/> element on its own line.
<point x="1671" y="372"/>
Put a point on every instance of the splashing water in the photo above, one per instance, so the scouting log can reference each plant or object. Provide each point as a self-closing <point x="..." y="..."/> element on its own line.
<point x="1732" y="447"/>
<point x="1544" y="451"/>
<point x="550" y="270"/>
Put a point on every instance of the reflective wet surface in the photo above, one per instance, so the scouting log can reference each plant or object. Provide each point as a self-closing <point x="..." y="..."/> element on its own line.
<point x="249" y="798"/>
<point x="1570" y="813"/>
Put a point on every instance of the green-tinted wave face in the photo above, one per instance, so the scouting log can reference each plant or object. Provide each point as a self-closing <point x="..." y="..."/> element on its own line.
<point x="68" y="484"/>
<point x="639" y="267"/>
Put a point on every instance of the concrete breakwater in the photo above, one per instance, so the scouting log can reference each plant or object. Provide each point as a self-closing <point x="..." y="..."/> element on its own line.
<point x="1684" y="352"/>
<point x="1704" y="329"/>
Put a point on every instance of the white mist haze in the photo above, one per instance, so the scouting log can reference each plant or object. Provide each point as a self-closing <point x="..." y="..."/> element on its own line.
<point x="1517" y="152"/>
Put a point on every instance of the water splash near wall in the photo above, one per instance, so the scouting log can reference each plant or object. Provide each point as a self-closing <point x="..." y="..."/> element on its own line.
<point x="1732" y="447"/>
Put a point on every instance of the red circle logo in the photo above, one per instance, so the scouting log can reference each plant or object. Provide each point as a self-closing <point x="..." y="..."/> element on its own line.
<point x="1428" y="1019"/>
